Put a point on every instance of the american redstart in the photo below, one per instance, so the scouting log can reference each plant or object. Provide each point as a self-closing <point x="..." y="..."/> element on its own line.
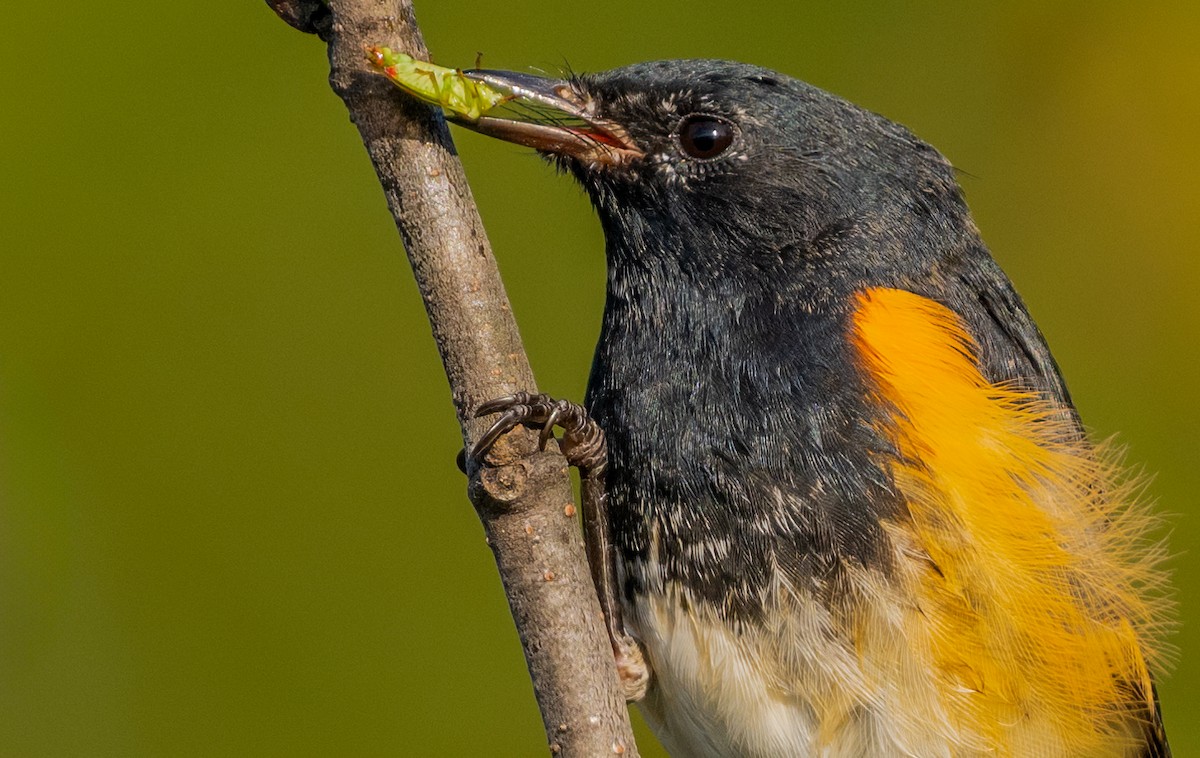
<point x="852" y="509"/>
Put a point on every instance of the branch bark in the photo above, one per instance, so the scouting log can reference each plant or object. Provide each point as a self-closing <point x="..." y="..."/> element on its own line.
<point x="522" y="496"/>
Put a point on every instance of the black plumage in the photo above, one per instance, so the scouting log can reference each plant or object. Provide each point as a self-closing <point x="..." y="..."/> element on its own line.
<point x="743" y="211"/>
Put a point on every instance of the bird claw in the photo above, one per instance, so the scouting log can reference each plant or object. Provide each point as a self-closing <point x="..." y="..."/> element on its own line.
<point x="584" y="446"/>
<point x="632" y="670"/>
<point x="582" y="441"/>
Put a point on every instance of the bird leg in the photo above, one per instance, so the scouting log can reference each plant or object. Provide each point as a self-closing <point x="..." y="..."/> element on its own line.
<point x="584" y="446"/>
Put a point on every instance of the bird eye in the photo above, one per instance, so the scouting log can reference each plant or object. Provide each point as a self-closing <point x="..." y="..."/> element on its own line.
<point x="705" y="136"/>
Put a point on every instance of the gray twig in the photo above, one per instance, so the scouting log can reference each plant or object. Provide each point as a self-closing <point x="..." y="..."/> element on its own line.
<point x="523" y="497"/>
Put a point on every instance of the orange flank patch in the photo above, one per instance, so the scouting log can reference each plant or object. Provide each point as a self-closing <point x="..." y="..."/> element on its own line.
<point x="1031" y="572"/>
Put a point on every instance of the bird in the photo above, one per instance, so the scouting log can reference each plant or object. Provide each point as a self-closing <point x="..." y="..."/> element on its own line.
<point x="849" y="506"/>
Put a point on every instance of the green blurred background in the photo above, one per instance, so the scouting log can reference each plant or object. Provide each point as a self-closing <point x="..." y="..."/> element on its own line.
<point x="230" y="521"/>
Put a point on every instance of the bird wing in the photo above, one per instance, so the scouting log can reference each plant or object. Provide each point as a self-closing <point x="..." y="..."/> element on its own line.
<point x="1035" y="586"/>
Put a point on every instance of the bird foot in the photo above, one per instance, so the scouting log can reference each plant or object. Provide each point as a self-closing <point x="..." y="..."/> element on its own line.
<point x="584" y="446"/>
<point x="631" y="668"/>
<point x="582" y="442"/>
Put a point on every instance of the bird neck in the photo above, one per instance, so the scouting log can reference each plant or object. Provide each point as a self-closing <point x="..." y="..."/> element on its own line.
<point x="717" y="395"/>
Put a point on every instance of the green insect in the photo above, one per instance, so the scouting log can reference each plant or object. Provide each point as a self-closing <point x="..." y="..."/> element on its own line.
<point x="449" y="88"/>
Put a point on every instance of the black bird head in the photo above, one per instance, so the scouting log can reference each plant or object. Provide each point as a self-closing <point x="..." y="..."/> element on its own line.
<point x="717" y="169"/>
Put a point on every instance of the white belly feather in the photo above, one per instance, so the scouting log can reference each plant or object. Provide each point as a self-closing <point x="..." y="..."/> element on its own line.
<point x="801" y="684"/>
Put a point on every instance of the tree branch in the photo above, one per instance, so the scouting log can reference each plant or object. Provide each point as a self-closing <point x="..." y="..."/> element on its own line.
<point x="523" y="497"/>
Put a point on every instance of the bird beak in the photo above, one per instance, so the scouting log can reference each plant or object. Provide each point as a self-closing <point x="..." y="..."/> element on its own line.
<point x="550" y="116"/>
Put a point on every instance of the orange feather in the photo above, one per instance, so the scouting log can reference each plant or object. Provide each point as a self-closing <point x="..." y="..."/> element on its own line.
<point x="1036" y="580"/>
